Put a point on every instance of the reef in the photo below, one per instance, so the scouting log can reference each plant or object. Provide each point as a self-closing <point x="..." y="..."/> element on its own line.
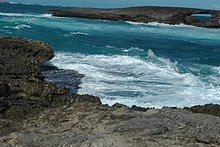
<point x="35" y="112"/>
<point x="146" y="14"/>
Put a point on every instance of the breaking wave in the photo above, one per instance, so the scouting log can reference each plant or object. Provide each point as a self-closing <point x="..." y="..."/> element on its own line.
<point x="22" y="26"/>
<point x="131" y="49"/>
<point x="158" y="24"/>
<point x="26" y="15"/>
<point x="75" y="33"/>
<point x="150" y="82"/>
<point x="33" y="4"/>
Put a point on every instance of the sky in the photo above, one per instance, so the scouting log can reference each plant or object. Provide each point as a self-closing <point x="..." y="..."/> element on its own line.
<point x="213" y="4"/>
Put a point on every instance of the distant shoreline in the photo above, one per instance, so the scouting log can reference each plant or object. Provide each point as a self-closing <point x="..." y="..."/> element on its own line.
<point x="168" y="15"/>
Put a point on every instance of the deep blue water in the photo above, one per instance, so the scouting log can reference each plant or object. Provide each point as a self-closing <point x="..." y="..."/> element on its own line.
<point x="141" y="64"/>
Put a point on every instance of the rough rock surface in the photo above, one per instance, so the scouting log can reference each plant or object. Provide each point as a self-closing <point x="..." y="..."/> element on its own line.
<point x="23" y="89"/>
<point x="36" y="113"/>
<point x="212" y="109"/>
<point x="169" y="15"/>
<point x="21" y="81"/>
<point x="86" y="124"/>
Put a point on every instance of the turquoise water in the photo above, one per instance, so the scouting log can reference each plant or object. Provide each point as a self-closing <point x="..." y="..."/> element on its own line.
<point x="151" y="65"/>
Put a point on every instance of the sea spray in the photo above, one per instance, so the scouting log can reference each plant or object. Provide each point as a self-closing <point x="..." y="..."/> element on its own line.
<point x="131" y="80"/>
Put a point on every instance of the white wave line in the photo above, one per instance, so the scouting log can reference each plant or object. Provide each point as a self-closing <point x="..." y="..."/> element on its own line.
<point x="158" y="24"/>
<point x="25" y="15"/>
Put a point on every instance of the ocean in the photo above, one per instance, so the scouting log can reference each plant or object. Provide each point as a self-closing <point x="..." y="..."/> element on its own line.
<point x="148" y="65"/>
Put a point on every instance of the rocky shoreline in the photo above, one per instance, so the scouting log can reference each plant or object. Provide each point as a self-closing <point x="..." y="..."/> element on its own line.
<point x="34" y="112"/>
<point x="168" y="15"/>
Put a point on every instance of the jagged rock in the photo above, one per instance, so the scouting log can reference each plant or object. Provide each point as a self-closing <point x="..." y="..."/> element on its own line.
<point x="169" y="15"/>
<point x="85" y="124"/>
<point x="25" y="56"/>
<point x="136" y="108"/>
<point x="23" y="89"/>
<point x="117" y="105"/>
<point x="20" y="61"/>
<point x="212" y="109"/>
<point x="22" y="85"/>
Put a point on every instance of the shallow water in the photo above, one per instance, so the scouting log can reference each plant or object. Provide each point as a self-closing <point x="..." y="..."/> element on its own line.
<point x="151" y="65"/>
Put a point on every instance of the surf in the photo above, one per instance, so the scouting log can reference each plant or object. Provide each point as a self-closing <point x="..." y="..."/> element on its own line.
<point x="157" y="24"/>
<point x="150" y="82"/>
<point x="26" y="15"/>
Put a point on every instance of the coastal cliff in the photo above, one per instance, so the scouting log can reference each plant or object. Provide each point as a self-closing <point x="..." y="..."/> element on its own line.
<point x="169" y="15"/>
<point x="34" y="112"/>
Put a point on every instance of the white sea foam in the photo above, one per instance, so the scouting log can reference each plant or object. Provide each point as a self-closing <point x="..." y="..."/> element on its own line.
<point x="136" y="23"/>
<point x="25" y="15"/>
<point x="158" y="24"/>
<point x="79" y="33"/>
<point x="75" y="33"/>
<point x="151" y="82"/>
<point x="15" y="3"/>
<point x="12" y="3"/>
<point x="22" y="26"/>
<point x="135" y="49"/>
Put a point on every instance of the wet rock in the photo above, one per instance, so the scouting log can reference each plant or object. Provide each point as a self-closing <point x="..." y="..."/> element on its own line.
<point x="4" y="89"/>
<point x="64" y="78"/>
<point x="136" y="108"/>
<point x="117" y="105"/>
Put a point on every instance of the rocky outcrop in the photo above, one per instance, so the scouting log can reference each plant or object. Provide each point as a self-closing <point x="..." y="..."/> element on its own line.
<point x="34" y="112"/>
<point x="23" y="89"/>
<point x="169" y="15"/>
<point x="20" y="76"/>
<point x="86" y="124"/>
<point x="212" y="109"/>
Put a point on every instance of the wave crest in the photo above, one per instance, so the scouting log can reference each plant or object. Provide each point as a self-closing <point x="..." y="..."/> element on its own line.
<point x="157" y="24"/>
<point x="75" y="33"/>
<point x="150" y="82"/>
<point x="26" y="15"/>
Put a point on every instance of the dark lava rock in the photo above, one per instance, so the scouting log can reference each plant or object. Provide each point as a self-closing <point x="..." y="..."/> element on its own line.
<point x="69" y="79"/>
<point x="20" y="61"/>
<point x="136" y="108"/>
<point x="169" y="15"/>
<point x="4" y="89"/>
<point x="24" y="91"/>
<point x="212" y="109"/>
<point x="21" y="56"/>
<point x="23" y="88"/>
<point x="117" y="105"/>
